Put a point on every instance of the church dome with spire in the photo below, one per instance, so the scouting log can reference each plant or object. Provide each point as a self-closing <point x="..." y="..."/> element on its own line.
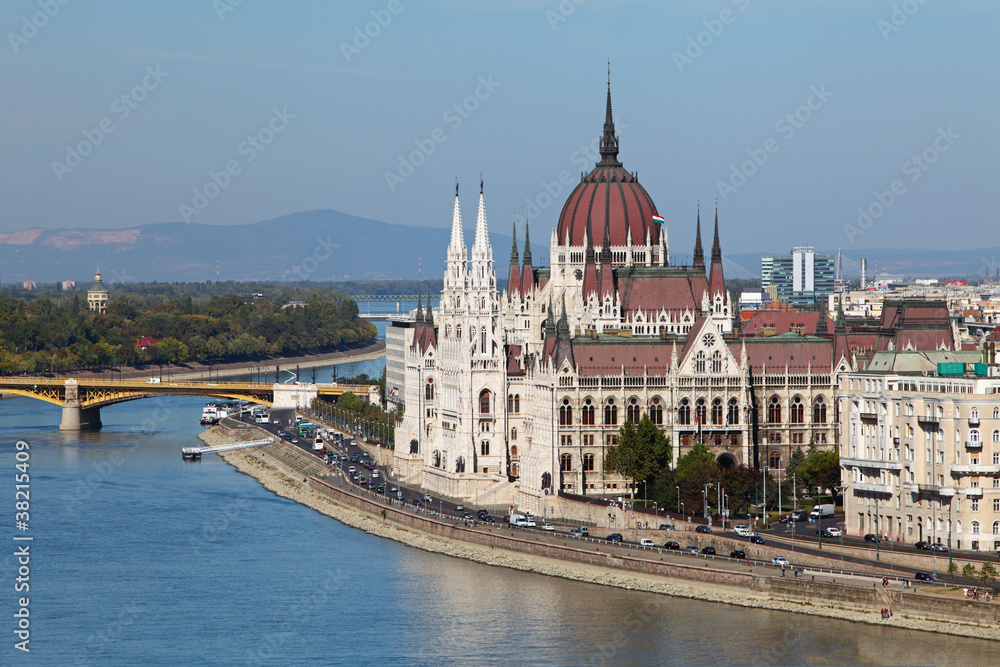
<point x="608" y="202"/>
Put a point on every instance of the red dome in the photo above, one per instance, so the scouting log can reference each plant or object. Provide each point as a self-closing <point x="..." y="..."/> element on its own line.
<point x="608" y="198"/>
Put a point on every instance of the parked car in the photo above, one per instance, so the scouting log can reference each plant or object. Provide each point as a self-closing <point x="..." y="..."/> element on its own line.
<point x="703" y="529"/>
<point x="738" y="553"/>
<point x="780" y="561"/>
<point x="673" y="546"/>
<point x="800" y="515"/>
<point x="834" y="532"/>
<point x="708" y="551"/>
<point x="925" y="576"/>
<point x="938" y="547"/>
<point x="646" y="542"/>
<point x="614" y="537"/>
<point x="692" y="549"/>
<point x="784" y="518"/>
<point x="756" y="539"/>
<point x="922" y="545"/>
<point x="666" y="526"/>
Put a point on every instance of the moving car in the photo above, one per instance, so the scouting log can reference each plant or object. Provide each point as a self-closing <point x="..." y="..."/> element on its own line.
<point x="708" y="551"/>
<point x="871" y="537"/>
<point x="544" y="526"/>
<point x="742" y="531"/>
<point x="646" y="542"/>
<point x="486" y="518"/>
<point x="924" y="576"/>
<point x="577" y="532"/>
<point x="692" y="549"/>
<point x="821" y="511"/>
<point x="481" y="513"/>
<point x="834" y="532"/>
<point x="922" y="545"/>
<point x="939" y="548"/>
<point x="780" y="561"/>
<point x="756" y="539"/>
<point x="738" y="553"/>
<point x="673" y="546"/>
<point x="703" y="529"/>
<point x="666" y="526"/>
<point x="458" y="508"/>
<point x="614" y="537"/>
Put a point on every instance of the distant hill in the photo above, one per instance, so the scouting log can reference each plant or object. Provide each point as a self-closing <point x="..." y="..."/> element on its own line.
<point x="330" y="245"/>
<point x="309" y="245"/>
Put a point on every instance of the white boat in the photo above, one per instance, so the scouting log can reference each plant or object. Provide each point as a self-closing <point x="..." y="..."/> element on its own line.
<point x="210" y="414"/>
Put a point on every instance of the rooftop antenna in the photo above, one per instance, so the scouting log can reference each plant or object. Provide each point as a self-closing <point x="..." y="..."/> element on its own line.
<point x="216" y="268"/>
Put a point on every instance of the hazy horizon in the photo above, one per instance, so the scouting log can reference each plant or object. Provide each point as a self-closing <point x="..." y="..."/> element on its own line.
<point x="792" y="116"/>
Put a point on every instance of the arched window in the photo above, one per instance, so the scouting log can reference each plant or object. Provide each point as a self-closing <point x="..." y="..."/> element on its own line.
<point x="699" y="362"/>
<point x="996" y="413"/>
<point x="996" y="436"/>
<point x="632" y="411"/>
<point x="484" y="401"/>
<point x="436" y="459"/>
<point x="588" y="463"/>
<point x="684" y="413"/>
<point x="699" y="411"/>
<point x="610" y="413"/>
<point x="798" y="411"/>
<point x="996" y="527"/>
<point x="458" y="331"/>
<point x="975" y="528"/>
<point x="717" y="411"/>
<point x="484" y="448"/>
<point x="565" y="462"/>
<point x="460" y="464"/>
<point x="515" y="470"/>
<point x="819" y="411"/>
<point x="974" y="415"/>
<point x="546" y="480"/>
<point x="733" y="414"/>
<point x="429" y="390"/>
<point x="447" y="331"/>
<point x="774" y="411"/>
<point x="513" y="435"/>
<point x="716" y="362"/>
<point x="565" y="413"/>
<point x="517" y="402"/>
<point x="774" y="460"/>
<point x="513" y="450"/>
<point x="588" y="412"/>
<point x="482" y="341"/>
<point x="974" y="435"/>
<point x="656" y="411"/>
<point x="510" y="402"/>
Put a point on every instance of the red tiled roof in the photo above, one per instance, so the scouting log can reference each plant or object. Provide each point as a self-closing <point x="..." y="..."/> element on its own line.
<point x="610" y="357"/>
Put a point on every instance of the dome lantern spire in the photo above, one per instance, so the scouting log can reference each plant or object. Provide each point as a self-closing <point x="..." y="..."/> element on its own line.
<point x="609" y="142"/>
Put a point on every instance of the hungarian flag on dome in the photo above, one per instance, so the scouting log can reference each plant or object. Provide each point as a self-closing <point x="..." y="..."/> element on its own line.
<point x="658" y="219"/>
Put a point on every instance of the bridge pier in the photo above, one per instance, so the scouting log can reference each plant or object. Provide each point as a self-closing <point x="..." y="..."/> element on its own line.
<point x="74" y="417"/>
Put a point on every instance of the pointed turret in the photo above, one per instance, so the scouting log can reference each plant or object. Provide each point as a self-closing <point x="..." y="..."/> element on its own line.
<point x="563" y="349"/>
<point x="419" y="319"/>
<point x="698" y="260"/>
<point x="514" y="274"/>
<point x="562" y="329"/>
<point x="429" y="318"/>
<point x="590" y="284"/>
<point x="822" y="326"/>
<point x="840" y="326"/>
<point x="457" y="236"/>
<point x="550" y="320"/>
<point x="716" y="282"/>
<point x="527" y="270"/>
<point x="609" y="141"/>
<point x="482" y="232"/>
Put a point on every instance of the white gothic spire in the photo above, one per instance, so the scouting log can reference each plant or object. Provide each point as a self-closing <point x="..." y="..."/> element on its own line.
<point x="482" y="233"/>
<point x="457" y="236"/>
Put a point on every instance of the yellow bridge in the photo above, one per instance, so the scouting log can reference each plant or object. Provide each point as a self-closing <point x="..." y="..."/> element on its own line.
<point x="82" y="399"/>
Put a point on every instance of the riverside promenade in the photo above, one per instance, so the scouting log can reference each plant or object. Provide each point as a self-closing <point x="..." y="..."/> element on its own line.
<point x="295" y="474"/>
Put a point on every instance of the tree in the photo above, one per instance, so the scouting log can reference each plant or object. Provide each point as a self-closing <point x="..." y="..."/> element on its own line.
<point x="953" y="569"/>
<point x="641" y="454"/>
<point x="987" y="573"/>
<point x="969" y="571"/>
<point x="694" y="470"/>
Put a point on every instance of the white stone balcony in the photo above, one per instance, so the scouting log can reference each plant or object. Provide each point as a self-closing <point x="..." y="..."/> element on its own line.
<point x="959" y="469"/>
<point x="974" y="444"/>
<point x="858" y="462"/>
<point x="872" y="488"/>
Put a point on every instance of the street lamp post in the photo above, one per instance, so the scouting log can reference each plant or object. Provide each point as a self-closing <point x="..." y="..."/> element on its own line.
<point x="678" y="499"/>
<point x="949" y="536"/>
<point x="682" y="509"/>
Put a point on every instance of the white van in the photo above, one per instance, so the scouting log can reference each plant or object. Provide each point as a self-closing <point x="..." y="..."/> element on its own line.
<point x="742" y="531"/>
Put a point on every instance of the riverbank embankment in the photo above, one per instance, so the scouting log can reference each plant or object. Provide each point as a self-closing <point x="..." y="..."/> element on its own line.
<point x="292" y="473"/>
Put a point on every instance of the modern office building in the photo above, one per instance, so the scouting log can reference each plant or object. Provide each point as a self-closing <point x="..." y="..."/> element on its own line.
<point x="801" y="278"/>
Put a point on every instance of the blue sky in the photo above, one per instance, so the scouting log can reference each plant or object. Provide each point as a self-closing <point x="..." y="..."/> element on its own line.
<point x="699" y="87"/>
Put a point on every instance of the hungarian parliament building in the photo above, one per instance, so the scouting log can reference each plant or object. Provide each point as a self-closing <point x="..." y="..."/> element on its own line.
<point x="516" y="395"/>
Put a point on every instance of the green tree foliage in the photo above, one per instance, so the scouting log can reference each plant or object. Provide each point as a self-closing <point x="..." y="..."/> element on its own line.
<point x="52" y="332"/>
<point x="987" y="573"/>
<point x="821" y="470"/>
<point x="642" y="453"/>
<point x="969" y="571"/>
<point x="694" y="470"/>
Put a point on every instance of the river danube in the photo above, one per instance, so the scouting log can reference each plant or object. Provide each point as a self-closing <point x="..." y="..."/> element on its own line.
<point x="141" y="558"/>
